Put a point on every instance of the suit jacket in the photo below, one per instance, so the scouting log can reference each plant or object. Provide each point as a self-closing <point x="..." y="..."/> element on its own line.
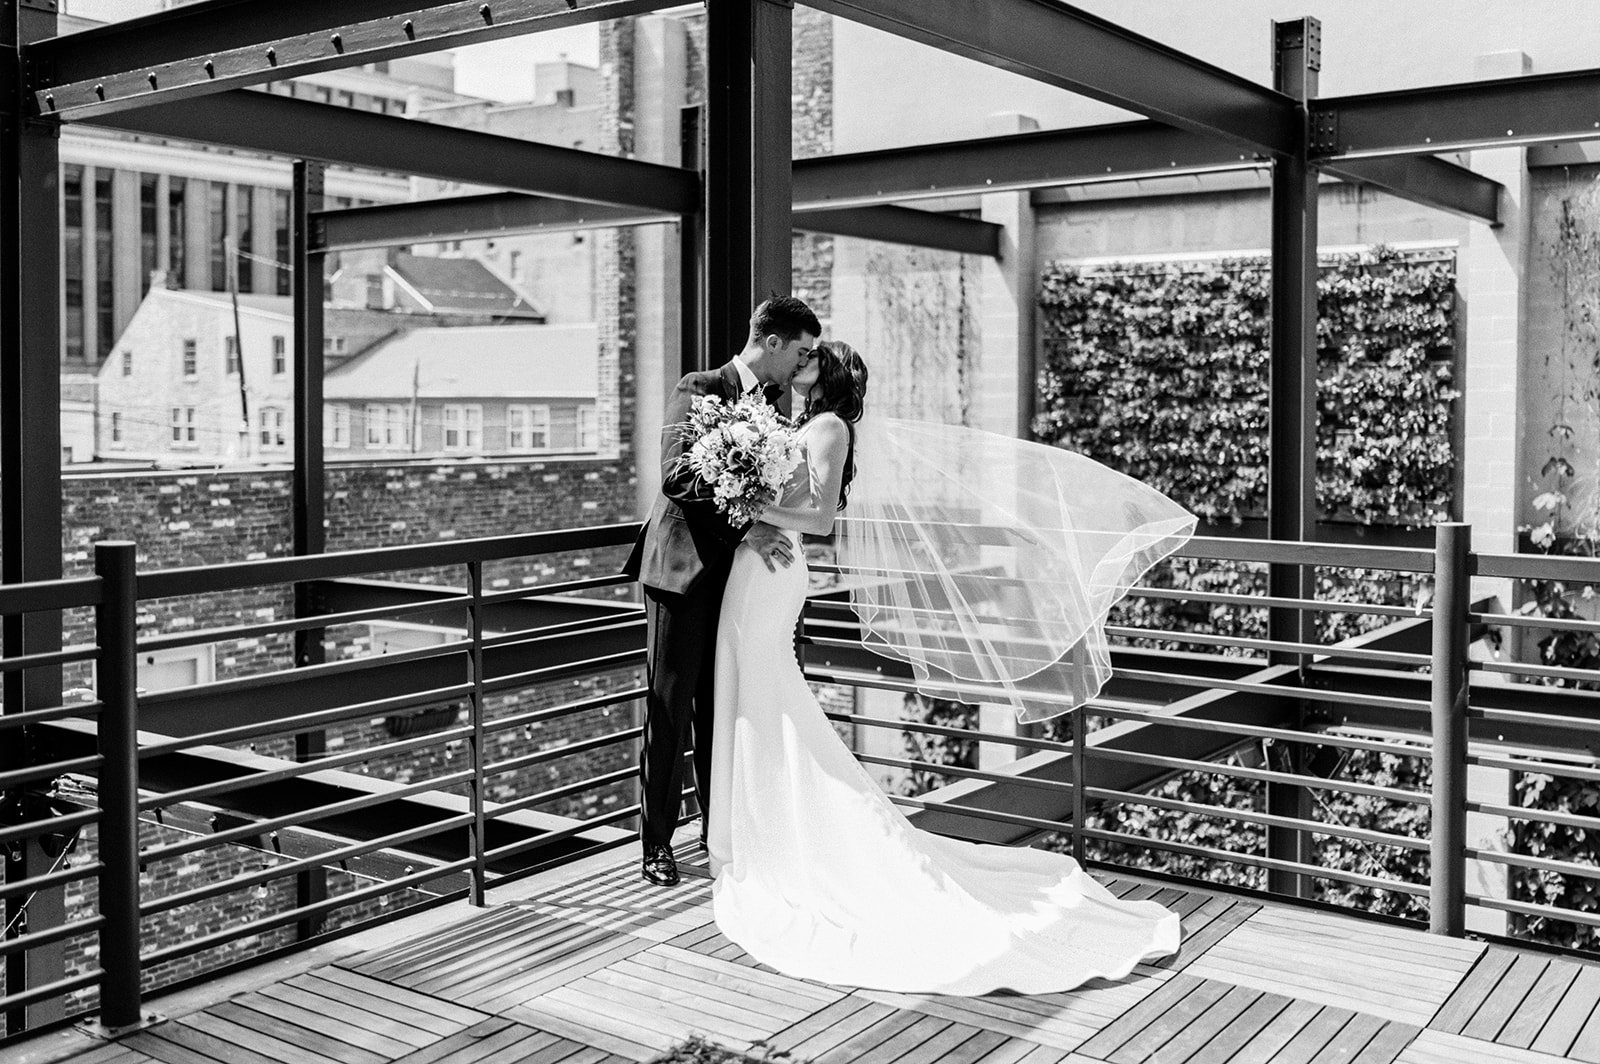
<point x="686" y="537"/>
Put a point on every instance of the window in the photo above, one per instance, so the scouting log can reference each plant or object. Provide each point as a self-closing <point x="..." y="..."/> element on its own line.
<point x="270" y="423"/>
<point x="191" y="359"/>
<point x="588" y="434"/>
<point x="149" y="211"/>
<point x="280" y="228"/>
<point x="177" y="231"/>
<point x="230" y="346"/>
<point x="280" y="355"/>
<point x="116" y="428"/>
<point x="217" y="207"/>
<point x="333" y="345"/>
<point x="105" y="288"/>
<point x="516" y="266"/>
<point x="72" y="260"/>
<point x="336" y="426"/>
<point x="463" y="428"/>
<point x="388" y="426"/>
<point x="127" y="363"/>
<point x="527" y="428"/>
<point x="183" y="428"/>
<point x="244" y="205"/>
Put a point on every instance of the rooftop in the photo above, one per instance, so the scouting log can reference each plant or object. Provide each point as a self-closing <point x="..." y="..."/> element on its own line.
<point x="484" y="361"/>
<point x="458" y="285"/>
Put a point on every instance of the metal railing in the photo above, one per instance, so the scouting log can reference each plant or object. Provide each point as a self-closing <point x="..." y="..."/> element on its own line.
<point x="1272" y="723"/>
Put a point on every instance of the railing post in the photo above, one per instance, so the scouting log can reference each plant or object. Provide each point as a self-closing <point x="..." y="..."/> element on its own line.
<point x="116" y="628"/>
<point x="1447" y="899"/>
<point x="479" y="866"/>
<point x="1080" y="772"/>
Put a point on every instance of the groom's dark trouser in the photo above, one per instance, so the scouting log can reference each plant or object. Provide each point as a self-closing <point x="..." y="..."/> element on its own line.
<point x="682" y="634"/>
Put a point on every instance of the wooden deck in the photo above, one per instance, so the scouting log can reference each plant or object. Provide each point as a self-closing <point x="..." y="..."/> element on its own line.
<point x="593" y="966"/>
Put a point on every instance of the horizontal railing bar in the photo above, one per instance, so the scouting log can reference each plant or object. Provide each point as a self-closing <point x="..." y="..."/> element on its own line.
<point x="1536" y="816"/>
<point x="556" y="753"/>
<point x="40" y="596"/>
<point x="1302" y="694"/>
<point x="1551" y="768"/>
<point x="294" y="916"/>
<point x="1257" y="731"/>
<point x="566" y="709"/>
<point x="532" y="676"/>
<point x="30" y="828"/>
<point x="289" y="868"/>
<point x="309" y="721"/>
<point x="1528" y="716"/>
<point x="1328" y="555"/>
<point x="16" y="776"/>
<point x="1523" y="908"/>
<point x="994" y="815"/>
<point x="50" y="879"/>
<point x="35" y="939"/>
<point x="541" y="867"/>
<point x="295" y="624"/>
<point x="515" y="848"/>
<point x="292" y="820"/>
<point x="1184" y="764"/>
<point x="1233" y="857"/>
<point x="1559" y="624"/>
<point x="530" y="801"/>
<point x="24" y="998"/>
<point x="547" y="632"/>
<point x="1553" y="672"/>
<point x="198" y="580"/>
<point x="564" y="587"/>
<point x="299" y="769"/>
<point x="1528" y="861"/>
<point x="265" y="682"/>
<point x="1248" y="816"/>
<point x="40" y="716"/>
<point x="963" y="772"/>
<point x="950" y="730"/>
<point x="1538" y="567"/>
<point x="979" y="692"/>
<point x="64" y="656"/>
<point x="1319" y="649"/>
<point x="1223" y="598"/>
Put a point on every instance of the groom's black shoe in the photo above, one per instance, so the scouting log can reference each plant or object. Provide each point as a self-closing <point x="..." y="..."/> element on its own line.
<point x="660" y="867"/>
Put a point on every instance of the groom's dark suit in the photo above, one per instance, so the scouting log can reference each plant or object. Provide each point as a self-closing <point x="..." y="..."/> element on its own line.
<point x="682" y="558"/>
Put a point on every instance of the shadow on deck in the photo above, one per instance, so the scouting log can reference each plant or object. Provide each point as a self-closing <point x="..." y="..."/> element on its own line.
<point x="588" y="964"/>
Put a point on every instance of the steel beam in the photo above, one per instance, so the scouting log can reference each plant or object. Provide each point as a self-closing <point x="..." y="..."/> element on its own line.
<point x="771" y="191"/>
<point x="905" y="225"/>
<point x="465" y="218"/>
<point x="1537" y="109"/>
<point x="207" y="48"/>
<point x="728" y="176"/>
<point x="1060" y="45"/>
<point x="298" y="129"/>
<point x="1429" y="181"/>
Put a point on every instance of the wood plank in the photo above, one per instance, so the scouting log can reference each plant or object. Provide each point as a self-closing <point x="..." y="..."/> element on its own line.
<point x="1242" y="1030"/>
<point x="405" y="1012"/>
<point x="1215" y="930"/>
<point x="1390" y="1041"/>
<point x="1164" y="1027"/>
<point x="1507" y="997"/>
<point x="481" y="929"/>
<point x="273" y="1038"/>
<point x="1190" y="1039"/>
<point x="624" y="1012"/>
<point x="1352" y="1040"/>
<point x="554" y="973"/>
<point x="575" y="1025"/>
<point x="892" y="1049"/>
<point x="830" y="1036"/>
<point x="433" y="1007"/>
<point x="824" y="1019"/>
<point x="1011" y="1051"/>
<point x="1247" y="949"/>
<point x="769" y="1012"/>
<point x="492" y="1033"/>
<point x="486" y="977"/>
<point x="467" y="965"/>
<point x="1265" y="1046"/>
<point x="1136" y="1019"/>
<point x="1314" y="1036"/>
<point x="356" y="1018"/>
<point x="166" y="1052"/>
<point x="776" y="1001"/>
<point x="956" y="1044"/>
<point x="690" y="939"/>
<point x="1437" y="1047"/>
<point x="1566" y="1022"/>
<point x="1473" y="991"/>
<point x="1404" y="941"/>
<point x="557" y="1051"/>
<point x="1587" y="1045"/>
<point x="206" y="1045"/>
<point x="820" y="993"/>
<point x="110" y="1053"/>
<point x="1540" y="1004"/>
<point x="533" y="1044"/>
<point x="288" y="1017"/>
<point x="733" y="1015"/>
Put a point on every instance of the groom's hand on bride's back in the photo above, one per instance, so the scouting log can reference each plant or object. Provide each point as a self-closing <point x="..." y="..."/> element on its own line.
<point x="772" y="544"/>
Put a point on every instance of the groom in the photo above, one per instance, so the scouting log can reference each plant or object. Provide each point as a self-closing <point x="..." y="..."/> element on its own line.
<point x="682" y="558"/>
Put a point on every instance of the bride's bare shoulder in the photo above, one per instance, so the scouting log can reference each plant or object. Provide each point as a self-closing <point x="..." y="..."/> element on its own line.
<point x="828" y="430"/>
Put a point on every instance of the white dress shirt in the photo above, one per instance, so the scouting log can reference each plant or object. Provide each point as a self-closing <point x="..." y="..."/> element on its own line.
<point x="747" y="377"/>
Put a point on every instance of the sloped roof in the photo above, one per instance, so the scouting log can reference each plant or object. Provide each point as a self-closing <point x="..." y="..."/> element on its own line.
<point x="477" y="361"/>
<point x="459" y="285"/>
<point x="275" y="306"/>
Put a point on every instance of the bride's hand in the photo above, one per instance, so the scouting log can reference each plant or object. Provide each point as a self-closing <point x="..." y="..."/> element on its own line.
<point x="772" y="544"/>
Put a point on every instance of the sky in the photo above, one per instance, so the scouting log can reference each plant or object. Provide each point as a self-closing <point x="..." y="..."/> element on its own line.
<point x="503" y="70"/>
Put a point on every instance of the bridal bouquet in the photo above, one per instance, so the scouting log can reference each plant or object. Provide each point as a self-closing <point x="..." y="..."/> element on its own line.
<point x="744" y="451"/>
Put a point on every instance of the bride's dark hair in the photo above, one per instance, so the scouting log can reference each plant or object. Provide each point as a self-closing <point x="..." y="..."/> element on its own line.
<point x="841" y="389"/>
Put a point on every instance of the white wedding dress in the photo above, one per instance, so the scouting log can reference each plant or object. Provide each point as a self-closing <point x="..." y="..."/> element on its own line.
<point x="820" y="876"/>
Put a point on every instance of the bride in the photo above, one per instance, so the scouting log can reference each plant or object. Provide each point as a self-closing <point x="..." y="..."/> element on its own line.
<point x="817" y="873"/>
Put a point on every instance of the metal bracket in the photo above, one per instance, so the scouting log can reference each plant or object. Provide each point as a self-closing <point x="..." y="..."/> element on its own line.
<point x="1324" y="132"/>
<point x="1302" y="34"/>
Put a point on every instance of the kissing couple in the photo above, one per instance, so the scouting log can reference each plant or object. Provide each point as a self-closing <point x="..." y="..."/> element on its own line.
<point x="984" y="562"/>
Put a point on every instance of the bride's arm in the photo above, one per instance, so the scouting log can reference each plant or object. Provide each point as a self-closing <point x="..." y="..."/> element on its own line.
<point x="827" y="446"/>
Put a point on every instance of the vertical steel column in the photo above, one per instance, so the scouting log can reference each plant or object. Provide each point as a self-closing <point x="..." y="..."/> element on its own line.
<point x="475" y="664"/>
<point x="692" y="249"/>
<point x="1291" y="502"/>
<point x="727" y="176"/>
<point x="116" y="676"/>
<point x="1080" y="777"/>
<point x="30" y="451"/>
<point x="772" y="184"/>
<point x="1447" y="899"/>
<point x="306" y="290"/>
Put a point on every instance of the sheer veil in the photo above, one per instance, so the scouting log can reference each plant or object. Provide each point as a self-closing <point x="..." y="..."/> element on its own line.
<point x="989" y="563"/>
